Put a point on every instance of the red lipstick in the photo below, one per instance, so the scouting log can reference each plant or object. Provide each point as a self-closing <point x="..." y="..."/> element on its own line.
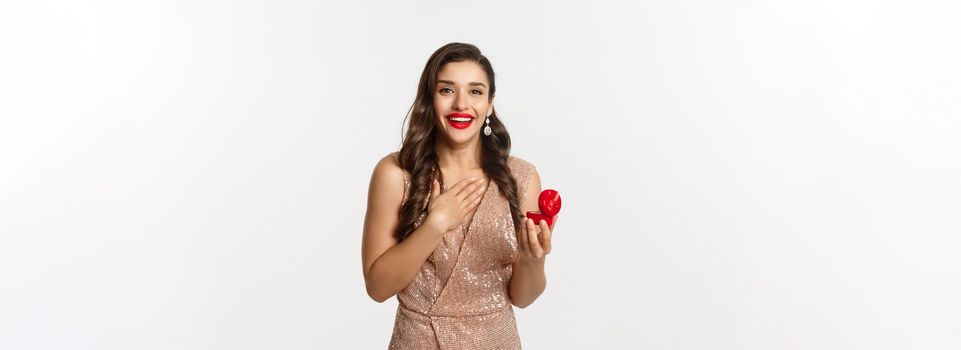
<point x="463" y="121"/>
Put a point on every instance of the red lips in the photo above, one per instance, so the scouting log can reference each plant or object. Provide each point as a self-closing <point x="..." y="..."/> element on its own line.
<point x="460" y="124"/>
<point x="549" y="202"/>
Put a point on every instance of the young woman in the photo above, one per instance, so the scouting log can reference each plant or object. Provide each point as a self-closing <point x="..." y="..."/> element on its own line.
<point x="457" y="256"/>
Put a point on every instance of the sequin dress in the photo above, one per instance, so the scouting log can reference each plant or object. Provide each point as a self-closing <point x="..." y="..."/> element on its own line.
<point x="459" y="298"/>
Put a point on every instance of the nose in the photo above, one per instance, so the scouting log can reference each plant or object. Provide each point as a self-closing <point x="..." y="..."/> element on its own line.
<point x="460" y="102"/>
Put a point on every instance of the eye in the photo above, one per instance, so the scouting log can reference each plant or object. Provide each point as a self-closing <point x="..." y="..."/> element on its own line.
<point x="478" y="92"/>
<point x="444" y="90"/>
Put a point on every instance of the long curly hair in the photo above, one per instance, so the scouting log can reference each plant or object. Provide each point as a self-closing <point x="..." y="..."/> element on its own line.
<point x="417" y="154"/>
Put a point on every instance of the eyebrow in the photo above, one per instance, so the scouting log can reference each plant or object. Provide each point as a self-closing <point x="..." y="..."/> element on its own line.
<point x="473" y="83"/>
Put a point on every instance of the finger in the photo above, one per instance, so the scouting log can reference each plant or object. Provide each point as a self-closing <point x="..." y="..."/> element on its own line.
<point x="469" y="186"/>
<point x="473" y="203"/>
<point x="545" y="237"/>
<point x="460" y="185"/>
<point x="470" y="202"/>
<point x="467" y="194"/>
<point x="476" y="195"/>
<point x="522" y="236"/>
<point x="536" y="248"/>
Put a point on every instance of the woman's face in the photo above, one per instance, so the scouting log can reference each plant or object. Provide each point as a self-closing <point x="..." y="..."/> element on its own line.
<point x="461" y="100"/>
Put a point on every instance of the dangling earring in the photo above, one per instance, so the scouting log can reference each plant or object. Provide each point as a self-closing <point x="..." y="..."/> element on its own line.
<point x="487" y="129"/>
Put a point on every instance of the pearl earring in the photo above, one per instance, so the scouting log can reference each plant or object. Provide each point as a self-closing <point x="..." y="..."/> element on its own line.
<point x="487" y="129"/>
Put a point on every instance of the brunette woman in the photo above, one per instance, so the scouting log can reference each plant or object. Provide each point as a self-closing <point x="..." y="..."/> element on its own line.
<point x="445" y="230"/>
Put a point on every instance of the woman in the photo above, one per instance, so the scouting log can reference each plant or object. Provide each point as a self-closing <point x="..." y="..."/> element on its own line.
<point x="457" y="256"/>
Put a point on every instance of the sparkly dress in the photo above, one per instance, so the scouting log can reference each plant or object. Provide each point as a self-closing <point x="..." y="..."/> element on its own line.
<point x="459" y="298"/>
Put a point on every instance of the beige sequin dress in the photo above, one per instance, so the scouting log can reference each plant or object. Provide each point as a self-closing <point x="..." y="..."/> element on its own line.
<point x="459" y="298"/>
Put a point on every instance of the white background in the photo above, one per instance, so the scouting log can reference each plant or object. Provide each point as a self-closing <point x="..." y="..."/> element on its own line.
<point x="735" y="175"/>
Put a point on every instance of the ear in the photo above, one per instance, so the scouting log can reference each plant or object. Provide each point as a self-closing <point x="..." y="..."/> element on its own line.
<point x="490" y="110"/>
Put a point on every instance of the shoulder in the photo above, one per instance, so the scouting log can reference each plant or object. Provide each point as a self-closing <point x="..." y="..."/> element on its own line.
<point x="388" y="177"/>
<point x="389" y="165"/>
<point x="525" y="173"/>
<point x="520" y="166"/>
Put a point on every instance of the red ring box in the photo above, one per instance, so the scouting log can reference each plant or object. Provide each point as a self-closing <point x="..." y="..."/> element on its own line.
<point x="549" y="203"/>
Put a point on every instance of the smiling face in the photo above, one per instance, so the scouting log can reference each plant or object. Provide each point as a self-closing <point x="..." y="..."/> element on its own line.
<point x="461" y="101"/>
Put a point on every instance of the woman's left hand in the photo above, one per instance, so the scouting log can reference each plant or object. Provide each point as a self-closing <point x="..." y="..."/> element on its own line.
<point x="534" y="241"/>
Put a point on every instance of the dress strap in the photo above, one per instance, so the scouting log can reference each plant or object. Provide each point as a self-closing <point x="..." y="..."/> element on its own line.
<point x="522" y="171"/>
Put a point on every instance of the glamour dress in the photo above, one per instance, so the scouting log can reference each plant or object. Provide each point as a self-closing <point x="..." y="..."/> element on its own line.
<point x="459" y="298"/>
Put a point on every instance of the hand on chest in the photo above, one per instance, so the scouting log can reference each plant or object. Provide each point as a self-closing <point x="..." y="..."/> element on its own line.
<point x="455" y="177"/>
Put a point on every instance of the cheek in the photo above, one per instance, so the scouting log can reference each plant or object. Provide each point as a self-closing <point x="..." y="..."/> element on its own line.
<point x="438" y="110"/>
<point x="440" y="104"/>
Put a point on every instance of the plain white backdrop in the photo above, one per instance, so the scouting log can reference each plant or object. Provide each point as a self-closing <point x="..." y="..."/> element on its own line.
<point x="735" y="175"/>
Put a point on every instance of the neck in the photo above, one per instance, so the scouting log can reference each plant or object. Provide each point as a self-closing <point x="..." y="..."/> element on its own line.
<point x="459" y="157"/>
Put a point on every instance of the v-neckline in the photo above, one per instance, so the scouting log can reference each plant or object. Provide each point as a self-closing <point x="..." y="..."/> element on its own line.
<point x="464" y="235"/>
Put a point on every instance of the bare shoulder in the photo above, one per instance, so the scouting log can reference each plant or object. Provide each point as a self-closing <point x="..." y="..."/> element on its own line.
<point x="389" y="166"/>
<point x="384" y="199"/>
<point x="387" y="181"/>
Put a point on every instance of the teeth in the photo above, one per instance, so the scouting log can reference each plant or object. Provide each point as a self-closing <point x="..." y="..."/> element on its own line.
<point x="460" y="119"/>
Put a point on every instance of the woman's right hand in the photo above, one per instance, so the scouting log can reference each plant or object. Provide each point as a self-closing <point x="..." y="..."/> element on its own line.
<point x="447" y="210"/>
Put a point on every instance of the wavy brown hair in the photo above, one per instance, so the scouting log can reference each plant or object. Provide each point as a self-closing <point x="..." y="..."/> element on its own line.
<point x="417" y="154"/>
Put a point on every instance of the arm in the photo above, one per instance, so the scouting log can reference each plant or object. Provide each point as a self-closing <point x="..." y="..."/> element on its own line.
<point x="533" y="245"/>
<point x="389" y="266"/>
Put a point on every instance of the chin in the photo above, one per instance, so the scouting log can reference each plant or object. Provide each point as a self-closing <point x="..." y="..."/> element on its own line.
<point x="459" y="136"/>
